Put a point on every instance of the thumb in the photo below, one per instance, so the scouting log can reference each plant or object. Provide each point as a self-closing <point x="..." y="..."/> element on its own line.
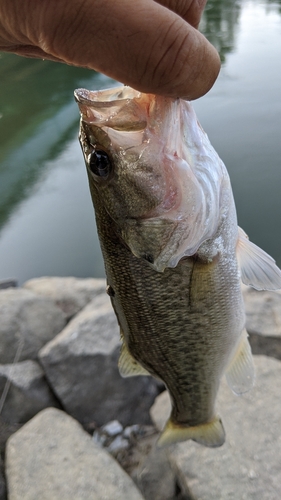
<point x="142" y="43"/>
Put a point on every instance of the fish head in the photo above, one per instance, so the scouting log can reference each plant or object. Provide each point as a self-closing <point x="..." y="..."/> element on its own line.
<point x="141" y="171"/>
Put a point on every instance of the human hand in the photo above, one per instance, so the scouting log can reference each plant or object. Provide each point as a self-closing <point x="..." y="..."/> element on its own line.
<point x="153" y="46"/>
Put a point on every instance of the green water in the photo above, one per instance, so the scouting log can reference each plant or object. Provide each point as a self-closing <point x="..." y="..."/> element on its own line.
<point x="46" y="218"/>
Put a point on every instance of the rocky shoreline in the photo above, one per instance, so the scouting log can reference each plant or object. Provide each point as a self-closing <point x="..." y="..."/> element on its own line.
<point x="71" y="427"/>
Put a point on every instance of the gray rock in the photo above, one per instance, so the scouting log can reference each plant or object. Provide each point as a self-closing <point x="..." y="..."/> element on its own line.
<point x="263" y="321"/>
<point x="70" y="294"/>
<point x="149" y="466"/>
<point x="117" y="445"/>
<point x="52" y="457"/>
<point x="131" y="431"/>
<point x="263" y="312"/>
<point x="28" y="391"/>
<point x="160" y="410"/>
<point x="28" y="321"/>
<point x="8" y="283"/>
<point x="99" y="438"/>
<point x="81" y="366"/>
<point x="112" y="428"/>
<point x="247" y="466"/>
<point x="3" y="491"/>
<point x="156" y="479"/>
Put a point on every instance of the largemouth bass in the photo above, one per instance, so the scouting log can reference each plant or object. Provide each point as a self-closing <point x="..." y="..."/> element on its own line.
<point x="173" y="252"/>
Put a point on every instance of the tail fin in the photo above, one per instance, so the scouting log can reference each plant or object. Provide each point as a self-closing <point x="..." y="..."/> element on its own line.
<point x="210" y="434"/>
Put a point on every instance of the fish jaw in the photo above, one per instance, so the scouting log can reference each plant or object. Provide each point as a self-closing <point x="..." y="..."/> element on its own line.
<point x="166" y="173"/>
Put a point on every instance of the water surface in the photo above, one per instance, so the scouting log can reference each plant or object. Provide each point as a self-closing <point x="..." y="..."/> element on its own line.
<point x="46" y="217"/>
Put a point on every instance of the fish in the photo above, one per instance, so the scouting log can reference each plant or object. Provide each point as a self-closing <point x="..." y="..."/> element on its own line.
<point x="174" y="254"/>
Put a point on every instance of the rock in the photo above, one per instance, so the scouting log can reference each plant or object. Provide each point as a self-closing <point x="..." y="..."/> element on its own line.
<point x="117" y="445"/>
<point x="28" y="321"/>
<point x="81" y="366"/>
<point x="131" y="430"/>
<point x="112" y="428"/>
<point x="52" y="457"/>
<point x="263" y="311"/>
<point x="6" y="430"/>
<point x="269" y="346"/>
<point x="160" y="410"/>
<point x="70" y="294"/>
<point x="8" y="283"/>
<point x="3" y="492"/>
<point x="149" y="466"/>
<point x="247" y="466"/>
<point x="99" y="438"/>
<point x="28" y="391"/>
<point x="263" y="321"/>
<point x="156" y="479"/>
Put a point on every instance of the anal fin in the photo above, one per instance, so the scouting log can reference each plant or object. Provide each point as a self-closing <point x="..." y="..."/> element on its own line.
<point x="209" y="434"/>
<point x="240" y="374"/>
<point x="258" y="269"/>
<point x="128" y="366"/>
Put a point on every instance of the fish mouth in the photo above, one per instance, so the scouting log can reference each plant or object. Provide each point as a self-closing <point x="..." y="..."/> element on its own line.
<point x="105" y="97"/>
<point x="117" y="108"/>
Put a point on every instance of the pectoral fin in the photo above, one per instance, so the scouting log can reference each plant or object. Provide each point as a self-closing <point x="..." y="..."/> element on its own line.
<point x="240" y="374"/>
<point x="210" y="434"/>
<point x="128" y="366"/>
<point x="258" y="269"/>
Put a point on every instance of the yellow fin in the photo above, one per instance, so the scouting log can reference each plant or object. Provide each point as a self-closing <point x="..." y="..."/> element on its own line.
<point x="240" y="374"/>
<point x="128" y="366"/>
<point x="210" y="434"/>
<point x="258" y="269"/>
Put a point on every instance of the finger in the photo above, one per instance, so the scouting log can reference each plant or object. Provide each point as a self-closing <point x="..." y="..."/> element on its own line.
<point x="30" y="51"/>
<point x="142" y="44"/>
<point x="190" y="10"/>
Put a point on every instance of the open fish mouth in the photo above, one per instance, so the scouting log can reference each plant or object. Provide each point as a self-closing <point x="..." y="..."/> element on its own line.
<point x="115" y="108"/>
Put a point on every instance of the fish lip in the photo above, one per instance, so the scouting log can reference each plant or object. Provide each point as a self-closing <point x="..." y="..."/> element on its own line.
<point x="81" y="96"/>
<point x="110" y="108"/>
<point x="91" y="97"/>
<point x="105" y="97"/>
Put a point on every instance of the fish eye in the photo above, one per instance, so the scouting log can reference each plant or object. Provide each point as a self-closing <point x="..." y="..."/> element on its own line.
<point x="99" y="163"/>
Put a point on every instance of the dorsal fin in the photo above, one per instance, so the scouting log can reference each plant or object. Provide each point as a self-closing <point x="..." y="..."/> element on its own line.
<point x="258" y="269"/>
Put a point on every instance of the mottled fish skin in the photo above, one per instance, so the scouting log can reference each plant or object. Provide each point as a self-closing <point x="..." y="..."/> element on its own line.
<point x="182" y="319"/>
<point x="178" y="324"/>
